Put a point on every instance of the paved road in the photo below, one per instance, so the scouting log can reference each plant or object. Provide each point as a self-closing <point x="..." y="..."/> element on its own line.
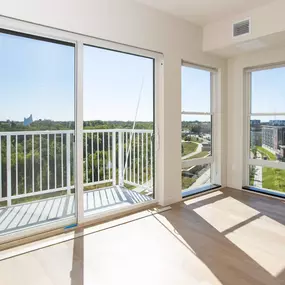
<point x="205" y="178"/>
<point x="258" y="173"/>
<point x="198" y="150"/>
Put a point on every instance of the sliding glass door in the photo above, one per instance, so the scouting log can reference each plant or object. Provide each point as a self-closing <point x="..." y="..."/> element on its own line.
<point x="76" y="129"/>
<point x="36" y="131"/>
<point x="265" y="130"/>
<point x="118" y="114"/>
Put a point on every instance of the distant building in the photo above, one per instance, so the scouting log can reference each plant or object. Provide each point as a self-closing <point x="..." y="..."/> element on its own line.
<point x="255" y="133"/>
<point x="254" y="122"/>
<point x="255" y="137"/>
<point x="277" y="122"/>
<point x="28" y="121"/>
<point x="273" y="137"/>
<point x="206" y="146"/>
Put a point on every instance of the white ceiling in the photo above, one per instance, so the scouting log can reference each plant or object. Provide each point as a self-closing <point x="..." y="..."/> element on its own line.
<point x="202" y="12"/>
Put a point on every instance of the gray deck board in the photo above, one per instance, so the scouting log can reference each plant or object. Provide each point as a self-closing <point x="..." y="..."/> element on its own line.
<point x="20" y="216"/>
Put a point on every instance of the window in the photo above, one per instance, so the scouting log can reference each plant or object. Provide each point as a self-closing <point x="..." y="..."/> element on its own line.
<point x="36" y="131"/>
<point x="197" y="138"/>
<point x="265" y="130"/>
<point x="118" y="129"/>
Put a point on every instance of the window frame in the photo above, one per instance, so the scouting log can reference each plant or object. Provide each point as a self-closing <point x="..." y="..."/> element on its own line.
<point x="215" y="103"/>
<point x="247" y="115"/>
<point x="79" y="40"/>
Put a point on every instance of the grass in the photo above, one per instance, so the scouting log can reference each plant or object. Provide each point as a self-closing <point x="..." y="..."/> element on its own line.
<point x="187" y="182"/>
<point x="200" y="154"/>
<point x="188" y="147"/>
<point x="272" y="178"/>
<point x="266" y="153"/>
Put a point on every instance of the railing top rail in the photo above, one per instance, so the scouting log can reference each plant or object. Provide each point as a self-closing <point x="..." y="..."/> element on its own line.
<point x="36" y="132"/>
<point x="52" y="132"/>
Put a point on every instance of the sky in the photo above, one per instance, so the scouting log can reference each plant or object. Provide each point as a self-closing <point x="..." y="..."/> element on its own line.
<point x="268" y="93"/>
<point x="37" y="77"/>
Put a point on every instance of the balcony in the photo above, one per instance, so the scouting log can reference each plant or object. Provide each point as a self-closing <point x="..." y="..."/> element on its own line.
<point x="38" y="181"/>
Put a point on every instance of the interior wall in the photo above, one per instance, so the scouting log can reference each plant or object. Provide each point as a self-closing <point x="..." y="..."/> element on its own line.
<point x="236" y="108"/>
<point x="134" y="24"/>
<point x="265" y="20"/>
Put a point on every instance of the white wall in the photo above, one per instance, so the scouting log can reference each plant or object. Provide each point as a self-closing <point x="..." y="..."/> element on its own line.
<point x="236" y="108"/>
<point x="131" y="23"/>
<point x="266" y="21"/>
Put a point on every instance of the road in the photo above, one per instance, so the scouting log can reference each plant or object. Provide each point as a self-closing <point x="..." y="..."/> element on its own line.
<point x="198" y="150"/>
<point x="205" y="178"/>
<point x="258" y="173"/>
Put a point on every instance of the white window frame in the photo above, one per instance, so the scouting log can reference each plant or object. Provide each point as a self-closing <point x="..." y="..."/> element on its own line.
<point x="247" y="115"/>
<point x="215" y="103"/>
<point x="79" y="41"/>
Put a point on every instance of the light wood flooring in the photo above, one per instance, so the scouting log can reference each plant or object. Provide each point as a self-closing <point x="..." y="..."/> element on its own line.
<point x="225" y="237"/>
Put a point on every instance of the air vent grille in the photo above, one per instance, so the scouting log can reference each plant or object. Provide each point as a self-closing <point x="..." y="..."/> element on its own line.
<point x="241" y="28"/>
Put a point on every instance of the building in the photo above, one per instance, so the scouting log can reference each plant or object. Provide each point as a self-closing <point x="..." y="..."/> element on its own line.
<point x="28" y="121"/>
<point x="255" y="133"/>
<point x="254" y="122"/>
<point x="255" y="137"/>
<point x="277" y="122"/>
<point x="273" y="137"/>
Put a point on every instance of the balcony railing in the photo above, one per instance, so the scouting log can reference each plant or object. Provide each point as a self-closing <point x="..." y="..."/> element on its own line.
<point x="41" y="162"/>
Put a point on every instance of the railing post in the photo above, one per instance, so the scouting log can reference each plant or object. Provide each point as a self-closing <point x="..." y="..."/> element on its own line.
<point x="68" y="163"/>
<point x="114" y="157"/>
<point x="8" y="164"/>
<point x="121" y="159"/>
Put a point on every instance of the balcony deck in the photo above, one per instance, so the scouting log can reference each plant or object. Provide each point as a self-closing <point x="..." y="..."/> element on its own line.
<point x="38" y="212"/>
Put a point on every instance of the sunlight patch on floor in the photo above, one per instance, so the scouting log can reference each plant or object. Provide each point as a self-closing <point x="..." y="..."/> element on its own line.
<point x="217" y="213"/>
<point x="263" y="240"/>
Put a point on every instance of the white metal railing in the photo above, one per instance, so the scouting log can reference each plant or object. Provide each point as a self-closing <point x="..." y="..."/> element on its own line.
<point x="41" y="162"/>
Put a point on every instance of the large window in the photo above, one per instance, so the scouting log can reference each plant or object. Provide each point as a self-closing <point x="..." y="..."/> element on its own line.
<point x="265" y="130"/>
<point x="36" y="131"/>
<point x="197" y="129"/>
<point x="76" y="129"/>
<point x="118" y="129"/>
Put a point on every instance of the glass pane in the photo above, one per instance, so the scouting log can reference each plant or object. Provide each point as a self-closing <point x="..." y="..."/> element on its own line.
<point x="196" y="136"/>
<point x="267" y="91"/>
<point x="267" y="177"/>
<point x="118" y="129"/>
<point x="36" y="132"/>
<point x="196" y="176"/>
<point x="196" y="90"/>
<point x="267" y="138"/>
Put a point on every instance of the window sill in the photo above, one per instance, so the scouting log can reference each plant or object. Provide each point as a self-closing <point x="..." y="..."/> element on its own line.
<point x="202" y="189"/>
<point x="264" y="191"/>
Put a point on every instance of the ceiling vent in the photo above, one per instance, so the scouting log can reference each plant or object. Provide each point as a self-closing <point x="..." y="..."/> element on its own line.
<point x="241" y="28"/>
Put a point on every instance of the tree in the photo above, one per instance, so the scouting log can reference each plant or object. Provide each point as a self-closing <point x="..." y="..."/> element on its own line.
<point x="196" y="129"/>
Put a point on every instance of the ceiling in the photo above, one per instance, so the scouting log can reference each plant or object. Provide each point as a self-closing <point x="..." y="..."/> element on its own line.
<point x="203" y="12"/>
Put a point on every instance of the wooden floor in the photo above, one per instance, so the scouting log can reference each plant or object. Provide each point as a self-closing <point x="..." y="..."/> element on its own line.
<point x="230" y="237"/>
<point x="38" y="212"/>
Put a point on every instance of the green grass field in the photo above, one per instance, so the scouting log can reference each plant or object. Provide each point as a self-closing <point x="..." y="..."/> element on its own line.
<point x="200" y="154"/>
<point x="188" y="147"/>
<point x="272" y="178"/>
<point x="265" y="152"/>
<point x="187" y="182"/>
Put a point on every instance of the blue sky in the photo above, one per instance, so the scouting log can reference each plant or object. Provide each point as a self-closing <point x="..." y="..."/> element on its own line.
<point x="268" y="93"/>
<point x="37" y="77"/>
<point x="112" y="84"/>
<point x="196" y="93"/>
